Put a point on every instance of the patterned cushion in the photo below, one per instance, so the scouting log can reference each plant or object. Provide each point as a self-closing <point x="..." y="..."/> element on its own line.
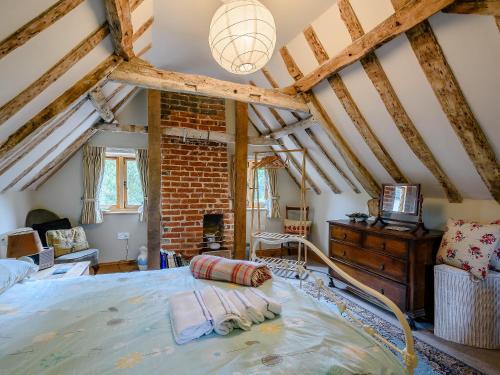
<point x="469" y="246"/>
<point x="297" y="226"/>
<point x="495" y="258"/>
<point x="65" y="241"/>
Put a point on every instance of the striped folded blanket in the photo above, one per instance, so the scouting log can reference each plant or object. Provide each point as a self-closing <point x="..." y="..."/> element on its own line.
<point x="236" y="271"/>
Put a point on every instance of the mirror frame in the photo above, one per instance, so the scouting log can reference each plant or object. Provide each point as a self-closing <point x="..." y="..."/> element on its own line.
<point x="418" y="198"/>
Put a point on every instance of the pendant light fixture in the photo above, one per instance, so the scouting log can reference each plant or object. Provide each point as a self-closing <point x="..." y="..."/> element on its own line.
<point x="242" y="36"/>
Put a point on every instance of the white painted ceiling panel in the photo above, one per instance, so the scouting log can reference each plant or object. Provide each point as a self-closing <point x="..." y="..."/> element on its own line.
<point x="18" y="69"/>
<point x="60" y="149"/>
<point x="142" y="14"/>
<point x="421" y="104"/>
<point x="80" y="69"/>
<point x="471" y="45"/>
<point x="331" y="31"/>
<point x="35" y="153"/>
<point x="371" y="13"/>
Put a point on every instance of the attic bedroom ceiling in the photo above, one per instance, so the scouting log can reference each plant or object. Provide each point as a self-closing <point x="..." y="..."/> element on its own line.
<point x="385" y="118"/>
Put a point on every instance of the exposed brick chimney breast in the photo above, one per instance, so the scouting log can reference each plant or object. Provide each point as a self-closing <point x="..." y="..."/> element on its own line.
<point x="195" y="178"/>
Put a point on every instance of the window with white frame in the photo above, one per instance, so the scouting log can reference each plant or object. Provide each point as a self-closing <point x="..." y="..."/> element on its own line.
<point x="121" y="189"/>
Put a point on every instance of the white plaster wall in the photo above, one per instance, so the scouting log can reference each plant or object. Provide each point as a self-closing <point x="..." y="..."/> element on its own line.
<point x="62" y="195"/>
<point x="13" y="208"/>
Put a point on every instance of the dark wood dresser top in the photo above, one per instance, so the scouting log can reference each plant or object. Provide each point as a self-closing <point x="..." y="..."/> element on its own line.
<point x="378" y="229"/>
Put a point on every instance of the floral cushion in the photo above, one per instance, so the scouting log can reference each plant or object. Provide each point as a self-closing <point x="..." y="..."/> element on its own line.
<point x="469" y="246"/>
<point x="65" y="241"/>
<point x="495" y="258"/>
<point x="297" y="226"/>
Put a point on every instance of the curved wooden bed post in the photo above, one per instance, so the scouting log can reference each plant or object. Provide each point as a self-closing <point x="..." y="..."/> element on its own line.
<point x="408" y="353"/>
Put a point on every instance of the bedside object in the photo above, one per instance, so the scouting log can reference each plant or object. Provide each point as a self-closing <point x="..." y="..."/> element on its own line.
<point x="396" y="264"/>
<point x="466" y="311"/>
<point x="28" y="244"/>
<point x="401" y="203"/>
<point x="63" y="271"/>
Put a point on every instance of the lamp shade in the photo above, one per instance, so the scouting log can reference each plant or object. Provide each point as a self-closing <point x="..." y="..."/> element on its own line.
<point x="23" y="244"/>
<point x="242" y="36"/>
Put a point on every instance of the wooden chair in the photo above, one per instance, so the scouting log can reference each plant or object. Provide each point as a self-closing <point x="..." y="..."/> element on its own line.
<point x="295" y="211"/>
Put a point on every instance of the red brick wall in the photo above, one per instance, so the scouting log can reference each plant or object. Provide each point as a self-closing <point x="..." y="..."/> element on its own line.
<point x="195" y="179"/>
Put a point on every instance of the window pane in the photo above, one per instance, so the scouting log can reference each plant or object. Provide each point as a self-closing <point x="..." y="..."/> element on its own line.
<point x="134" y="188"/>
<point x="261" y="183"/>
<point x="108" y="189"/>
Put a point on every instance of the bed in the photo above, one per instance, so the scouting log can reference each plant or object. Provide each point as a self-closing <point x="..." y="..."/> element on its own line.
<point x="119" y="323"/>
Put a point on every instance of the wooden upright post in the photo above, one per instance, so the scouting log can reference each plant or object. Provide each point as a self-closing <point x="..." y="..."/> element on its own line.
<point x="154" y="179"/>
<point x="240" y="180"/>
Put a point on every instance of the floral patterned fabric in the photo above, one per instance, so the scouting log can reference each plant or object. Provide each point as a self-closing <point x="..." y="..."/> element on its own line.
<point x="495" y="258"/>
<point x="469" y="246"/>
<point x="297" y="226"/>
<point x="65" y="241"/>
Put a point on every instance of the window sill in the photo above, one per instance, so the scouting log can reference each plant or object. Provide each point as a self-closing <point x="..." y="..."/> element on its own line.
<point x="123" y="212"/>
<point x="256" y="208"/>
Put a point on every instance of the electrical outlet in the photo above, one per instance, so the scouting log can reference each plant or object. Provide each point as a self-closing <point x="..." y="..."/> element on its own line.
<point x="123" y="236"/>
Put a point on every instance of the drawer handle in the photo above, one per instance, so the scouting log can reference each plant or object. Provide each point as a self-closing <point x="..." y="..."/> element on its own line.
<point x="382" y="267"/>
<point x="344" y="253"/>
<point x="382" y="291"/>
<point x="383" y="245"/>
<point x="344" y="236"/>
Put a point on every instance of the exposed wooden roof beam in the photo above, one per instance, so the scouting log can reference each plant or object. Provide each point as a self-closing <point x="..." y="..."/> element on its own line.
<point x="38" y="136"/>
<point x="353" y="163"/>
<point x="134" y="4"/>
<point x="120" y="23"/>
<point x="13" y="157"/>
<point x="13" y="106"/>
<point x="141" y="30"/>
<point x="142" y="75"/>
<point x="121" y="128"/>
<point x="457" y="110"/>
<point x="10" y="108"/>
<point x="326" y="178"/>
<point x="275" y="85"/>
<point x="187" y="133"/>
<point x="353" y="111"/>
<point x="484" y="7"/>
<point x="282" y="146"/>
<point x="292" y="128"/>
<point x="50" y="169"/>
<point x="409" y="132"/>
<point x="37" y="25"/>
<point x="410" y="15"/>
<point x="335" y="165"/>
<point x="98" y="100"/>
<point x="71" y="95"/>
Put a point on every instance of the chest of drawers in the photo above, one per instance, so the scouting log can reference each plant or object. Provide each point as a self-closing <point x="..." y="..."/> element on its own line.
<point x="396" y="264"/>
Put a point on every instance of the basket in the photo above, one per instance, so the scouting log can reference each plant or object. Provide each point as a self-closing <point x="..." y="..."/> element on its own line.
<point x="467" y="311"/>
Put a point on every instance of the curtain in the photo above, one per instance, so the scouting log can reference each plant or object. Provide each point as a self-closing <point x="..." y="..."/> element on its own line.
<point x="93" y="173"/>
<point x="273" y="209"/>
<point x="142" y="166"/>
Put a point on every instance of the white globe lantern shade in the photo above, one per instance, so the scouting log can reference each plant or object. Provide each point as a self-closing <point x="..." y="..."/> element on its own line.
<point x="242" y="36"/>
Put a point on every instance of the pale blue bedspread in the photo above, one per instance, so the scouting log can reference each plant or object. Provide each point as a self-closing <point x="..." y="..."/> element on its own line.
<point x="119" y="324"/>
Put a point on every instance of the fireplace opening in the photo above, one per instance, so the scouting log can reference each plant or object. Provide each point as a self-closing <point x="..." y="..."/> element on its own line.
<point x="213" y="225"/>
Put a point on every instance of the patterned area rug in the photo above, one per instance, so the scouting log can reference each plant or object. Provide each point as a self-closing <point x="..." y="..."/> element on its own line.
<point x="430" y="359"/>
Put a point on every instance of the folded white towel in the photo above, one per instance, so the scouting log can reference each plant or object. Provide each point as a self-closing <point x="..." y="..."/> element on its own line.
<point x="269" y="307"/>
<point x="243" y="305"/>
<point x="224" y="315"/>
<point x="189" y="316"/>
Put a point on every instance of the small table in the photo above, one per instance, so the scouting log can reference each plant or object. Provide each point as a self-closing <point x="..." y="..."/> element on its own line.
<point x="73" y="270"/>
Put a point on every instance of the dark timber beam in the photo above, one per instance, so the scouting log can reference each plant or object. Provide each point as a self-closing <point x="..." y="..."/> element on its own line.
<point x="240" y="180"/>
